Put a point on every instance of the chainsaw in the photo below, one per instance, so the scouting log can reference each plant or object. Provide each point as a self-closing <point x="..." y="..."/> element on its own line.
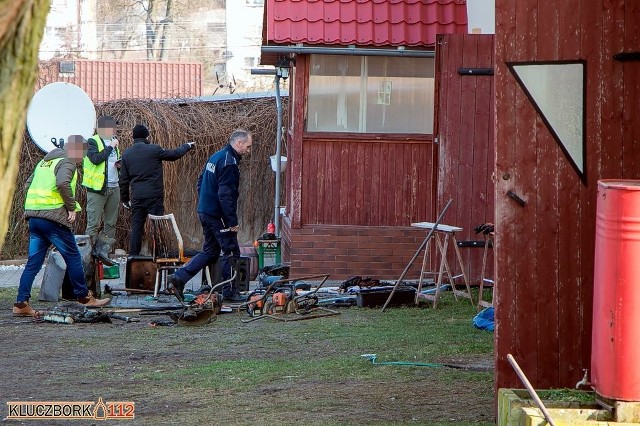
<point x="282" y="298"/>
<point x="201" y="309"/>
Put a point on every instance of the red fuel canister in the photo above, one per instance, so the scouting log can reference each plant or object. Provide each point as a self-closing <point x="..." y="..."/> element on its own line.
<point x="615" y="348"/>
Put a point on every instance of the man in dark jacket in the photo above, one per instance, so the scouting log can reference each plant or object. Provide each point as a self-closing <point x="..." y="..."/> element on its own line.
<point x="100" y="178"/>
<point x="141" y="181"/>
<point x="218" y="190"/>
<point x="50" y="207"/>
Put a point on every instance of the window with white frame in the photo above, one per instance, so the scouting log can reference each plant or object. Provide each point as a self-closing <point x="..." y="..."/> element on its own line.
<point x="370" y="94"/>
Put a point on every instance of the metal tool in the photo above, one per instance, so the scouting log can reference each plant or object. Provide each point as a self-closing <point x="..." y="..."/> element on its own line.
<point x="280" y="298"/>
<point x="124" y="318"/>
<point x="202" y="309"/>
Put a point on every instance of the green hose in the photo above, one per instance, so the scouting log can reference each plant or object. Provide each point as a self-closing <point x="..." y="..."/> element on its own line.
<point x="373" y="359"/>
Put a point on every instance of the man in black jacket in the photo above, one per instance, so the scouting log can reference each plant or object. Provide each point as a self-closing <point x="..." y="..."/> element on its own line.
<point x="141" y="181"/>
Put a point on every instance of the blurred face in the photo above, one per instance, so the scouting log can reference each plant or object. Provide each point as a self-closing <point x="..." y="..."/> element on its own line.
<point x="76" y="148"/>
<point x="107" y="129"/>
<point x="244" y="147"/>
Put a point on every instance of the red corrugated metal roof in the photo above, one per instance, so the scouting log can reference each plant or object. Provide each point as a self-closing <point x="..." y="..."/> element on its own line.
<point x="363" y="22"/>
<point x="109" y="80"/>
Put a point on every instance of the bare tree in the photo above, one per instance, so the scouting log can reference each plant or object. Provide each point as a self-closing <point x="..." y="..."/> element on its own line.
<point x="21" y="28"/>
<point x="157" y="27"/>
<point x="150" y="25"/>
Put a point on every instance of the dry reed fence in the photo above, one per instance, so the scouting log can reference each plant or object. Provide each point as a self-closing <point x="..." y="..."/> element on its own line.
<point x="171" y="123"/>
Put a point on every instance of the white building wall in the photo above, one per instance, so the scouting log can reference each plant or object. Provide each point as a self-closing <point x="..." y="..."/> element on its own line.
<point x="244" y="38"/>
<point x="70" y="30"/>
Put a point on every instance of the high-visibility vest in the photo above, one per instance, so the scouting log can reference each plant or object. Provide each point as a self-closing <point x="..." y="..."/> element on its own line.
<point x="43" y="193"/>
<point x="93" y="174"/>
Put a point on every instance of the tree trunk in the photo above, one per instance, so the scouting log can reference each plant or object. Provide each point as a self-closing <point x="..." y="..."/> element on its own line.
<point x="21" y="28"/>
<point x="165" y="25"/>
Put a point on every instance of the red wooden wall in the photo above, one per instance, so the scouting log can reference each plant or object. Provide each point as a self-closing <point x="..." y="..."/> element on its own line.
<point x="545" y="250"/>
<point x="366" y="182"/>
<point x="464" y="128"/>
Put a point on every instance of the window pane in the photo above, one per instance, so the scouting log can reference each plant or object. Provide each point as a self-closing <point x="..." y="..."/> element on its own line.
<point x="334" y="93"/>
<point x="399" y="95"/>
<point x="370" y="94"/>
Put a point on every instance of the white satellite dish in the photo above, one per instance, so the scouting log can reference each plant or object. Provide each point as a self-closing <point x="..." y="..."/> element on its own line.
<point x="57" y="111"/>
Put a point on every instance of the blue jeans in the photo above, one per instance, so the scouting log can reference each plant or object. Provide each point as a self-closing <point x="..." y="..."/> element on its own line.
<point x="42" y="234"/>
<point x="214" y="242"/>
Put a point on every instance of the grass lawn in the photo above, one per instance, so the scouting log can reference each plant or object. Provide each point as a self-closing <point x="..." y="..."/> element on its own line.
<point x="263" y="372"/>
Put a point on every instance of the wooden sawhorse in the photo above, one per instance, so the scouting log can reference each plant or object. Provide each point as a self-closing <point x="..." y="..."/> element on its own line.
<point x="488" y="244"/>
<point x="443" y="234"/>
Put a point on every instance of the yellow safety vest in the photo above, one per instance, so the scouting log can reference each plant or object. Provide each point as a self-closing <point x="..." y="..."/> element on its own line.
<point x="93" y="174"/>
<point x="43" y="193"/>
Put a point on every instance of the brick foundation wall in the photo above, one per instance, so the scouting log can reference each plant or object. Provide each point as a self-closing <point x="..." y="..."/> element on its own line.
<point x="380" y="252"/>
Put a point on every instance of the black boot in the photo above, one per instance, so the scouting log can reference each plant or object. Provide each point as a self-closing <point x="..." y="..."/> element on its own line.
<point x="176" y="286"/>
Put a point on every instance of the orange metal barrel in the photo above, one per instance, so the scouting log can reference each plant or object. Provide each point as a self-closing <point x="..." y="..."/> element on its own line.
<point x="615" y="357"/>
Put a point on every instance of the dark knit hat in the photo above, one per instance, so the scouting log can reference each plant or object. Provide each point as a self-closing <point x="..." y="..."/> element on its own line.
<point x="140" y="132"/>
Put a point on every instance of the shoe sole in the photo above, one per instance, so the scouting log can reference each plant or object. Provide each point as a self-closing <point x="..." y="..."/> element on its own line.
<point x="23" y="315"/>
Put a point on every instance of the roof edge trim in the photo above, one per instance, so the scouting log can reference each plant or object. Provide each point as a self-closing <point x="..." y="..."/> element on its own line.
<point x="358" y="51"/>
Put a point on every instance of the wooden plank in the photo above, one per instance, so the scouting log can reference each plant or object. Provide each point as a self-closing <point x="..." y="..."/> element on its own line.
<point x="359" y="176"/>
<point x="335" y="188"/>
<point x="482" y="160"/>
<point x="591" y="37"/>
<point x="570" y="248"/>
<point x="369" y="175"/>
<point x="631" y="73"/>
<point x="450" y="143"/>
<point x="506" y="160"/>
<point x="400" y="184"/>
<point x="522" y="183"/>
<point x="329" y="183"/>
<point x="305" y="209"/>
<point x="321" y="180"/>
<point x="299" y="105"/>
<point x="385" y="187"/>
<point x="342" y="159"/>
<point x="464" y="194"/>
<point x="547" y="222"/>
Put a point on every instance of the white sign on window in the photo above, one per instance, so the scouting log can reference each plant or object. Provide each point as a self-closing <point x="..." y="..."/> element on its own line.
<point x="384" y="92"/>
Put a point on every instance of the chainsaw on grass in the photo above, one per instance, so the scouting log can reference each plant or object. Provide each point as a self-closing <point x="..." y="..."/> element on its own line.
<point x="205" y="306"/>
<point x="284" y="297"/>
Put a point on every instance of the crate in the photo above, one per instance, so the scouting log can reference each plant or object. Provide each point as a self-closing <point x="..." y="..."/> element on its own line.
<point x="268" y="250"/>
<point x="110" y="272"/>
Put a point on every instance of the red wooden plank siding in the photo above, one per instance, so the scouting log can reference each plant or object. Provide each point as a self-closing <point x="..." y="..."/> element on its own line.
<point x="546" y="226"/>
<point x="465" y="130"/>
<point x="483" y="162"/>
<point x="569" y="260"/>
<point x="392" y="191"/>
<point x="295" y="147"/>
<point x="505" y="260"/>
<point x="545" y="250"/>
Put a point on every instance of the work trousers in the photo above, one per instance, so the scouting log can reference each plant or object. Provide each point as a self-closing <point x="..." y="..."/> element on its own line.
<point x="140" y="208"/>
<point x="42" y="234"/>
<point x="101" y="206"/>
<point x="215" y="241"/>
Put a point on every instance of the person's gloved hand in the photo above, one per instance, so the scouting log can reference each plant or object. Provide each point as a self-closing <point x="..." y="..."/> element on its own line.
<point x="191" y="144"/>
<point x="127" y="205"/>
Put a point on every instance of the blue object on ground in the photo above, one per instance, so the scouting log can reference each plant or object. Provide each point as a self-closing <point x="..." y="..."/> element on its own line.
<point x="484" y="319"/>
<point x="271" y="279"/>
<point x="443" y="287"/>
